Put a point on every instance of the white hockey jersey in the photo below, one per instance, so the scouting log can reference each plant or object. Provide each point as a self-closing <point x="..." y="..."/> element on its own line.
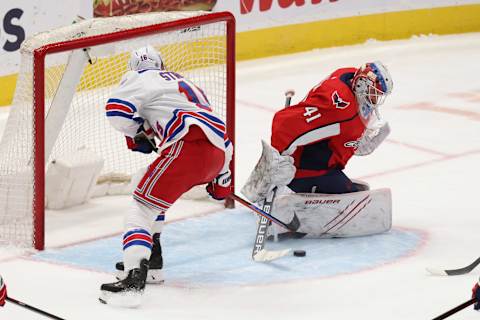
<point x="170" y="103"/>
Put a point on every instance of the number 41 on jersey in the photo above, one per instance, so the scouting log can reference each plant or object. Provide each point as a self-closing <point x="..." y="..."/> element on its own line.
<point x="311" y="113"/>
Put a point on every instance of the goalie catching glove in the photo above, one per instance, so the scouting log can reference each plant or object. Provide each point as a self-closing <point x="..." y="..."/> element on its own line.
<point x="220" y="187"/>
<point x="372" y="138"/>
<point x="144" y="140"/>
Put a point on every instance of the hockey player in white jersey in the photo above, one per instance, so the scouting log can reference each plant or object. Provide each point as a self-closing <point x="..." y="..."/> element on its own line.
<point x="158" y="110"/>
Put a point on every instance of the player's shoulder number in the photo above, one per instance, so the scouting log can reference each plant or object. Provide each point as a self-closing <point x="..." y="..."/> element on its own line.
<point x="311" y="113"/>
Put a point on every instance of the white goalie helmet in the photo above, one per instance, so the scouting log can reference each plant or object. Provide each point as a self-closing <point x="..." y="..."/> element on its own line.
<point x="145" y="58"/>
<point x="371" y="84"/>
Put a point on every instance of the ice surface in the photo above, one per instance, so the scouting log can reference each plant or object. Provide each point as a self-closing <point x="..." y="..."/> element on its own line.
<point x="429" y="161"/>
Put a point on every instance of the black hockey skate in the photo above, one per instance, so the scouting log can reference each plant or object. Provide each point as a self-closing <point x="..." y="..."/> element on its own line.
<point x="126" y="292"/>
<point x="155" y="274"/>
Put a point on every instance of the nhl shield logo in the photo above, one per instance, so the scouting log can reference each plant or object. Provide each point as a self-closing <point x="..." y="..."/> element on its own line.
<point x="338" y="101"/>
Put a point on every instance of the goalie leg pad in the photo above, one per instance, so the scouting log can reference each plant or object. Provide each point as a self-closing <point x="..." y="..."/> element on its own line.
<point x="337" y="215"/>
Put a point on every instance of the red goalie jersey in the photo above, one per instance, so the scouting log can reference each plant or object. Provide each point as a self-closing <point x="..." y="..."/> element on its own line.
<point x="321" y="132"/>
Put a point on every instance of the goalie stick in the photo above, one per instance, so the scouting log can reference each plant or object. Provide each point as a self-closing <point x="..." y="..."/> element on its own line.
<point x="259" y="253"/>
<point x="263" y="224"/>
<point x="31" y="308"/>
<point x="454" y="272"/>
<point x="292" y="226"/>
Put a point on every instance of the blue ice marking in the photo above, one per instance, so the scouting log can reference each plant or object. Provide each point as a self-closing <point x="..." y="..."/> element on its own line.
<point x="215" y="250"/>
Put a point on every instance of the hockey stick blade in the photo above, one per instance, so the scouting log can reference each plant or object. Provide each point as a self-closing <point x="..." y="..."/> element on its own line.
<point x="454" y="272"/>
<point x="266" y="255"/>
<point x="260" y="254"/>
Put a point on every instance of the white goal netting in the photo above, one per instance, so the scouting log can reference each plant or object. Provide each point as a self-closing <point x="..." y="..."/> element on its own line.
<point x="75" y="93"/>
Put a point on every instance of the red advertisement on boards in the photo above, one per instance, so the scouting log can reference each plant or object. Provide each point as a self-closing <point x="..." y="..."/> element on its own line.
<point x="109" y="8"/>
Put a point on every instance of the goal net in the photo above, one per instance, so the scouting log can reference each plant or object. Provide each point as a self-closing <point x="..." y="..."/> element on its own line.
<point x="65" y="79"/>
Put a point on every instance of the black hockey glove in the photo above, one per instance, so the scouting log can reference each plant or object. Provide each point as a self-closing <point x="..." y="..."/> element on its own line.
<point x="141" y="143"/>
<point x="144" y="140"/>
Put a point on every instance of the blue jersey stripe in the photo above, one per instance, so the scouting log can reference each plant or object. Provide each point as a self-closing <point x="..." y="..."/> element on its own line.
<point x="142" y="231"/>
<point x="138" y="243"/>
<point x="119" y="101"/>
<point x="206" y="115"/>
<point x="170" y="122"/>
<point x="211" y="117"/>
<point x="180" y="128"/>
<point x="119" y="114"/>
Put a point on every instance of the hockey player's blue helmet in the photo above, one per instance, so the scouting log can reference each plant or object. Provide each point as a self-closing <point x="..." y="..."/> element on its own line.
<point x="371" y="84"/>
<point x="145" y="58"/>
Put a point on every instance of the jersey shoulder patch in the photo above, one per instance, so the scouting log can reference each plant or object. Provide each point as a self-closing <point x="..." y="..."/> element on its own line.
<point x="338" y="101"/>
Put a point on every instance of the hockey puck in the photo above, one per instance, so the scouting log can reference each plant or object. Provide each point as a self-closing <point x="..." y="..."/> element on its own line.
<point x="299" y="253"/>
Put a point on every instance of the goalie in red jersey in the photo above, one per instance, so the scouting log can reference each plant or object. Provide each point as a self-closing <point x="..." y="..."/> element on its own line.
<point x="313" y="141"/>
<point x="337" y="119"/>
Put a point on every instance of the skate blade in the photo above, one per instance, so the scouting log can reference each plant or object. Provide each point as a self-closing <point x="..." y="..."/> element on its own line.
<point x="121" y="299"/>
<point x="154" y="276"/>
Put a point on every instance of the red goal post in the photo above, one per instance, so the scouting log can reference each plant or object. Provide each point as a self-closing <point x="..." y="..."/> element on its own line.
<point x="202" y="45"/>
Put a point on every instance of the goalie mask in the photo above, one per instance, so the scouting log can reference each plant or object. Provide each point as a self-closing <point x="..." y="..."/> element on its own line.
<point x="145" y="58"/>
<point x="371" y="84"/>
